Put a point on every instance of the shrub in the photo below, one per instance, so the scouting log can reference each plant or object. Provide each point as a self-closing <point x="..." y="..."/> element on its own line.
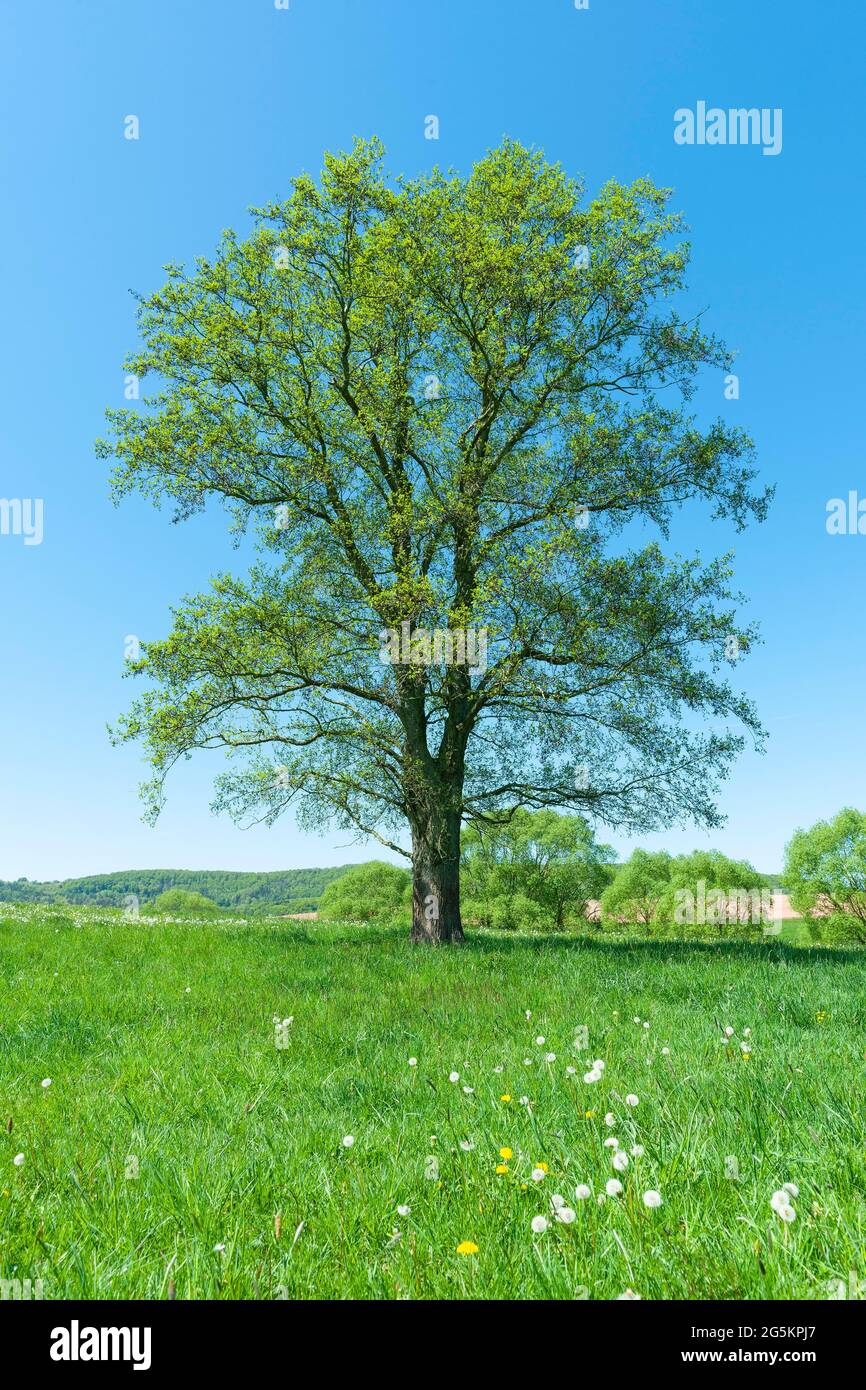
<point x="182" y="900"/>
<point x="366" y="893"/>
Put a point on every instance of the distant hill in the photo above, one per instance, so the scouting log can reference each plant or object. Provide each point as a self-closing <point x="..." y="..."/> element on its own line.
<point x="295" y="890"/>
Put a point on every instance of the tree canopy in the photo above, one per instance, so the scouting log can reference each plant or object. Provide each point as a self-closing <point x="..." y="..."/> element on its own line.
<point x="437" y="402"/>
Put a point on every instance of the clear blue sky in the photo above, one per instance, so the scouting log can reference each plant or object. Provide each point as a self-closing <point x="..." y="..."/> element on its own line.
<point x="234" y="97"/>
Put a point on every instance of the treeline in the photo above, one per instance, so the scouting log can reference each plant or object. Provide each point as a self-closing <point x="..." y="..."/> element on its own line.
<point x="290" y="890"/>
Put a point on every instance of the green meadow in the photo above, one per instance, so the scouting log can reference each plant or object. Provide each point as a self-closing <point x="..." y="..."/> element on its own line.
<point x="191" y="1145"/>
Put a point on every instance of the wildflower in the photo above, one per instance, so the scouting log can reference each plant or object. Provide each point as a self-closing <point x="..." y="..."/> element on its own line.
<point x="792" y="1188"/>
<point x="631" y="1100"/>
<point x="557" y="1201"/>
<point x="527" y="1061"/>
<point x="646" y="1023"/>
<point x="635" y="1020"/>
<point x="404" y="1210"/>
<point x="467" y="1247"/>
<point x="581" y="1192"/>
<point x="566" y="1215"/>
<point x="506" y="1154"/>
<point x="613" y="1187"/>
<point x="528" y="1015"/>
<point x="570" y="1071"/>
<point x="506" y="1098"/>
<point x="467" y="1145"/>
<point x="591" y="1076"/>
<point x="550" y="1056"/>
<point x="498" y="1070"/>
<point x="782" y="1206"/>
<point x="502" y="1167"/>
<point x="745" y="1048"/>
<point x="637" y="1151"/>
<point x="629" y="1296"/>
<point x="539" y="1224"/>
<point x="729" y="1032"/>
<point x="611" y="1142"/>
<point x="538" y="1175"/>
<point x="348" y="1141"/>
<point x="218" y="1249"/>
<point x="747" y="1032"/>
<point x="652" y="1198"/>
<point x="454" y="1076"/>
<point x="620" y="1161"/>
<point x="610" y="1119"/>
<point x="598" y="1064"/>
<point x="468" y="1091"/>
<point x="413" y="1061"/>
<point x="539" y="1042"/>
<point x="47" y="1082"/>
<point x="18" y="1160"/>
<point x="666" y="1052"/>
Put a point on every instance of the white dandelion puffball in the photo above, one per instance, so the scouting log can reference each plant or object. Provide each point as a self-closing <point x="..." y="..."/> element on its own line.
<point x="637" y="1151"/>
<point x="792" y="1188"/>
<point x="652" y="1198"/>
<point x="539" y="1041"/>
<point x="566" y="1215"/>
<point x="620" y="1161"/>
<point x="550" y="1056"/>
<point x="729" y="1032"/>
<point x="581" y="1192"/>
<point x="18" y="1160"/>
<point x="629" y="1296"/>
<point x="646" y="1024"/>
<point x="666" y="1052"/>
<point x="613" y="1187"/>
<point x="782" y="1206"/>
<point x="218" y="1249"/>
<point x="453" y="1077"/>
<point x="631" y="1100"/>
<point x="610" y="1119"/>
<point x="539" y="1224"/>
<point x="528" y="1014"/>
<point x="570" y="1071"/>
<point x="611" y="1142"/>
<point x="348" y="1141"/>
<point x="556" y="1201"/>
<point x="527" y="1061"/>
<point x="498" y="1070"/>
<point x="404" y="1210"/>
<point x="467" y="1145"/>
<point x="591" y="1076"/>
<point x="598" y="1064"/>
<point x="47" y="1082"/>
<point x="538" y="1175"/>
<point x="747" y="1032"/>
<point x="635" y="1020"/>
<point x="468" y="1091"/>
<point x="413" y="1061"/>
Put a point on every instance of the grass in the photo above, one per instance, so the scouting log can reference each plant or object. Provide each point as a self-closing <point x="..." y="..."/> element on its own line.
<point x="160" y="1044"/>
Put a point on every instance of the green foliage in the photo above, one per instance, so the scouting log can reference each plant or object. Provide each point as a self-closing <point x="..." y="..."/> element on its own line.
<point x="825" y="870"/>
<point x="640" y="891"/>
<point x="181" y="900"/>
<point x="366" y="893"/>
<point x="415" y="394"/>
<point x="536" y="870"/>
<point x="293" y="890"/>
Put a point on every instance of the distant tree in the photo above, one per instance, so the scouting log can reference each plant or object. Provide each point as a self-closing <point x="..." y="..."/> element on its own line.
<point x="176" y="900"/>
<point x="535" y="869"/>
<point x="825" y="869"/>
<point x="640" y="891"/>
<point x="366" y="892"/>
<point x="437" y="404"/>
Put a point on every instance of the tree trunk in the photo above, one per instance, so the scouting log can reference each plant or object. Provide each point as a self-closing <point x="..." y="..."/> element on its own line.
<point x="436" y="878"/>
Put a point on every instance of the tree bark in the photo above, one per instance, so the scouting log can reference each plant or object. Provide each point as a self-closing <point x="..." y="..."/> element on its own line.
<point x="436" y="878"/>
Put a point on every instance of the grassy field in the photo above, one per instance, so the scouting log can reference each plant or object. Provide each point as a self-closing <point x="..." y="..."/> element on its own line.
<point x="179" y="1151"/>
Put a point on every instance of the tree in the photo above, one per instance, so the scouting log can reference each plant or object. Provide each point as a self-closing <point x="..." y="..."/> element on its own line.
<point x="184" y="900"/>
<point x="417" y="396"/>
<point x="365" y="892"/>
<point x="640" y="892"/>
<point x="825" y="869"/>
<point x="535" y="860"/>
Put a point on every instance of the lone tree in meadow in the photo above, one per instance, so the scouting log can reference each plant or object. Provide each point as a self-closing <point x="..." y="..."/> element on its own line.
<point x="437" y="403"/>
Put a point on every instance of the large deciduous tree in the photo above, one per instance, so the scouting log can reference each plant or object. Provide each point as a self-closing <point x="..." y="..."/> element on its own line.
<point x="437" y="402"/>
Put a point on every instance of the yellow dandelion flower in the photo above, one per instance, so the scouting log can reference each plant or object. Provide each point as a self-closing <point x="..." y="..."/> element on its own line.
<point x="543" y="1166"/>
<point x="505" y="1153"/>
<point x="502" y="1167"/>
<point x="467" y="1247"/>
<point x="505" y="1098"/>
<point x="589" y="1114"/>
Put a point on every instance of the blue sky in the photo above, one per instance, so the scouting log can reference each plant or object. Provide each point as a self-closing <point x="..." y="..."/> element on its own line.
<point x="234" y="97"/>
